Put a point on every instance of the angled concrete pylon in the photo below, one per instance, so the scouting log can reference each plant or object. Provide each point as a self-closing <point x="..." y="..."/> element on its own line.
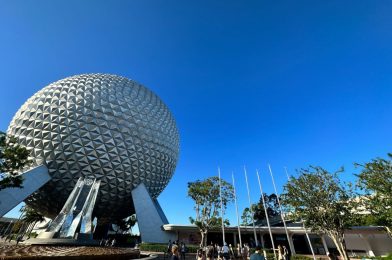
<point x="33" y="179"/>
<point x="150" y="217"/>
<point x="76" y="212"/>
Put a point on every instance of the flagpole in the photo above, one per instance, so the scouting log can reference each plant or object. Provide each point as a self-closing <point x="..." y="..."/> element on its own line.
<point x="266" y="213"/>
<point x="236" y="211"/>
<point x="281" y="210"/>
<point x="303" y="223"/>
<point x="250" y="206"/>
<point x="221" y="204"/>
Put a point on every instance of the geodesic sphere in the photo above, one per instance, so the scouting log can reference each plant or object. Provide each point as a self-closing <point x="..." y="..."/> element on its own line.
<point x="99" y="126"/>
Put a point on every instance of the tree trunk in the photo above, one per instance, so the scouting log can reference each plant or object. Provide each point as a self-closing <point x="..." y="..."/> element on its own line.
<point x="20" y="232"/>
<point x="389" y="231"/>
<point x="344" y="249"/>
<point x="203" y="242"/>
<point x="339" y="243"/>
<point x="31" y="230"/>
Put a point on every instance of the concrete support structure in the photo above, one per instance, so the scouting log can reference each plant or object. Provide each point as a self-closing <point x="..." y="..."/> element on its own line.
<point x="150" y="217"/>
<point x="262" y="239"/>
<point x="291" y="244"/>
<point x="76" y="213"/>
<point x="324" y="244"/>
<point x="33" y="179"/>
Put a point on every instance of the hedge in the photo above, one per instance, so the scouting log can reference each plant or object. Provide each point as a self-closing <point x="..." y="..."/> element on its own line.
<point x="155" y="247"/>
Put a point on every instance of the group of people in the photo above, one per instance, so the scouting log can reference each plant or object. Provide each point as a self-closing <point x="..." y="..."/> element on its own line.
<point x="177" y="250"/>
<point x="214" y="251"/>
<point x="283" y="253"/>
<point x="225" y="252"/>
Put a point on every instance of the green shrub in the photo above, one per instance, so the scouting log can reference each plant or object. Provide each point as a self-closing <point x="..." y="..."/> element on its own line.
<point x="155" y="247"/>
<point x="270" y="255"/>
<point x="388" y="257"/>
<point x="192" y="249"/>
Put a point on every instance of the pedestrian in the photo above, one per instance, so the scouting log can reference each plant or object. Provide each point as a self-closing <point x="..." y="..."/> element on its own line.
<point x="285" y="253"/>
<point x="231" y="252"/>
<point x="113" y="242"/>
<point x="257" y="255"/>
<point x="174" y="252"/>
<point x="280" y="252"/>
<point x="238" y="251"/>
<point x="210" y="252"/>
<point x="183" y="250"/>
<point x="245" y="252"/>
<point x="200" y="254"/>
<point x="169" y="247"/>
<point x="225" y="251"/>
<point x="216" y="251"/>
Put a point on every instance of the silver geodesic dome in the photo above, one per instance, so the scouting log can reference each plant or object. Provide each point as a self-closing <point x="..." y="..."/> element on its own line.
<point x="99" y="126"/>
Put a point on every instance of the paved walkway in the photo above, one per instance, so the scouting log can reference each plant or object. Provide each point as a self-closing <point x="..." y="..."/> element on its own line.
<point x="17" y="251"/>
<point x="162" y="256"/>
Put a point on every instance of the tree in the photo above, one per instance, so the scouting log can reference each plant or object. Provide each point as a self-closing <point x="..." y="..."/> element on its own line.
<point x="205" y="194"/>
<point x="246" y="217"/>
<point x="31" y="217"/>
<point x="375" y="180"/>
<point x="258" y="212"/>
<point x="120" y="225"/>
<point x="322" y="201"/>
<point x="271" y="202"/>
<point x="125" y="224"/>
<point x="13" y="158"/>
<point x="131" y="221"/>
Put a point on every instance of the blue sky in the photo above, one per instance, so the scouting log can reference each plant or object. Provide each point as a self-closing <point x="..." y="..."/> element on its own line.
<point x="290" y="83"/>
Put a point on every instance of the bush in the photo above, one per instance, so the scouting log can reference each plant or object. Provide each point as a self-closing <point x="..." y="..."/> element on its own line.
<point x="192" y="249"/>
<point x="388" y="257"/>
<point x="155" y="247"/>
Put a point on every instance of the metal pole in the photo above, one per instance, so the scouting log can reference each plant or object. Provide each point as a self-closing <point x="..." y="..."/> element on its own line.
<point x="281" y="210"/>
<point x="8" y="228"/>
<point x="303" y="223"/>
<point x="266" y="213"/>
<point x="236" y="210"/>
<point x="221" y="204"/>
<point x="250" y="206"/>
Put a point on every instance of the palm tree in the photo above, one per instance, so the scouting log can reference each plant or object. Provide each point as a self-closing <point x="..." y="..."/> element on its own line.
<point x="31" y="217"/>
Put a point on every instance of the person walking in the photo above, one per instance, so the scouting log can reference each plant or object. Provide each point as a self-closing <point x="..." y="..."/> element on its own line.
<point x="238" y="251"/>
<point x="183" y="250"/>
<point x="169" y="248"/>
<point x="216" y="251"/>
<point x="285" y="253"/>
<point x="210" y="252"/>
<point x="225" y="252"/>
<point x="257" y="255"/>
<point x="280" y="252"/>
<point x="245" y="252"/>
<point x="174" y="251"/>
<point x="200" y="254"/>
<point x="231" y="252"/>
